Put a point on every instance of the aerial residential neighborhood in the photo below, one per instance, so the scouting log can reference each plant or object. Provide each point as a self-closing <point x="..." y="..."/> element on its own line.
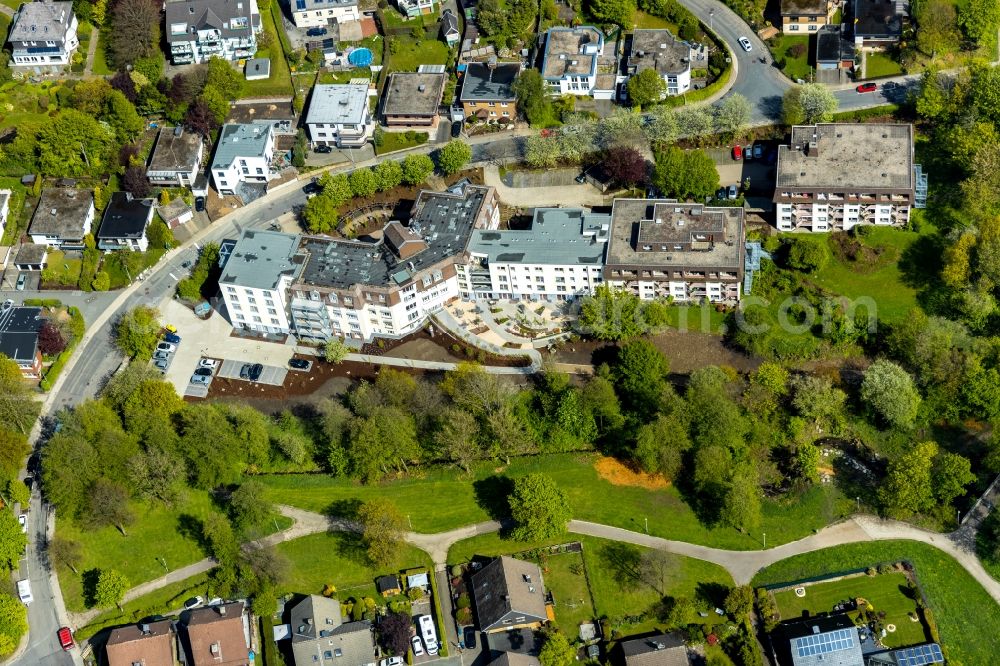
<point x="495" y="332"/>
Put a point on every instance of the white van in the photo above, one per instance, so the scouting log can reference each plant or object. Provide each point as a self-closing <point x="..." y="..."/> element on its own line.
<point x="429" y="634"/>
<point x="24" y="591"/>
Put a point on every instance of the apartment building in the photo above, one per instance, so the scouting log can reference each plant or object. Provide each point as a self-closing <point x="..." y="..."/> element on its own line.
<point x="256" y="274"/>
<point x="559" y="258"/>
<point x="488" y="91"/>
<point x="198" y="30"/>
<point x="833" y="176"/>
<point x="387" y="287"/>
<point x="338" y="115"/>
<point x="243" y="155"/>
<point x="659" y="50"/>
<point x="802" y="17"/>
<point x="662" y="248"/>
<point x="569" y="66"/>
<point x="43" y="37"/>
<point x="319" y="13"/>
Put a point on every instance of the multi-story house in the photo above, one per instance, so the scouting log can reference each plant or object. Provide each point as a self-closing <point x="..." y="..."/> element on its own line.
<point x="147" y="643"/>
<point x="488" y="91"/>
<point x="559" y="258"/>
<point x="63" y="217"/>
<point x="802" y="17"/>
<point x="198" y="30"/>
<point x="879" y="23"/>
<point x="358" y="290"/>
<point x="320" y="635"/>
<point x="659" y="50"/>
<point x="413" y="99"/>
<point x="243" y="155"/>
<point x="833" y="176"/>
<point x="256" y="275"/>
<point x="338" y="115"/>
<point x="662" y="248"/>
<point x="220" y="636"/>
<point x="319" y="13"/>
<point x="19" y="327"/>
<point x="569" y="66"/>
<point x="415" y="7"/>
<point x="124" y="224"/>
<point x="43" y="36"/>
<point x="176" y="158"/>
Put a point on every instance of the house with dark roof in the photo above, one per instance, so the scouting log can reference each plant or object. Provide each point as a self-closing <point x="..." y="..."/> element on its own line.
<point x="515" y="659"/>
<point x="388" y="586"/>
<point x="834" y="54"/>
<point x="19" y="328"/>
<point x="31" y="257"/>
<point x="801" y="17"/>
<point x="818" y="641"/>
<point x="219" y="636"/>
<point x="176" y="158"/>
<point x="450" y="31"/>
<point x="43" y="36"/>
<point x="147" y="643"/>
<point x="509" y="594"/>
<point x="198" y="30"/>
<point x="124" y="224"/>
<point x="879" y="22"/>
<point x="488" y="91"/>
<point x="413" y="98"/>
<point x="320" y="635"/>
<point x="656" y="650"/>
<point x="63" y="217"/>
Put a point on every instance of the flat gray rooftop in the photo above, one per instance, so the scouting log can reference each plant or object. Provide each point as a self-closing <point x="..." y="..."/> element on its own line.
<point x="61" y="212"/>
<point x="261" y="258"/>
<point x="632" y="217"/>
<point x="175" y="152"/>
<point x="444" y="221"/>
<point x="556" y="236"/>
<point x="571" y="51"/>
<point x="338" y="104"/>
<point x="848" y="156"/>
<point x="658" y="50"/>
<point x="413" y="93"/>
<point x="244" y="140"/>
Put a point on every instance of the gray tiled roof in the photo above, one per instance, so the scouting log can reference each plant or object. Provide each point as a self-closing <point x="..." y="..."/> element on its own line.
<point x="481" y="83"/>
<point x="175" y="151"/>
<point x="210" y="14"/>
<point x="40" y="21"/>
<point x="657" y="650"/>
<point x="507" y="585"/>
<point x="61" y="212"/>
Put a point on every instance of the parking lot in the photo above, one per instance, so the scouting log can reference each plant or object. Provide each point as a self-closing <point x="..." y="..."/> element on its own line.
<point x="271" y="374"/>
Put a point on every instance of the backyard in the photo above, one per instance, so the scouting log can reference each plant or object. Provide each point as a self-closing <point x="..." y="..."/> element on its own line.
<point x="793" y="51"/>
<point x="280" y="81"/>
<point x="958" y="601"/>
<point x="440" y="499"/>
<point x="879" y="64"/>
<point x="406" y="53"/>
<point x="886" y="593"/>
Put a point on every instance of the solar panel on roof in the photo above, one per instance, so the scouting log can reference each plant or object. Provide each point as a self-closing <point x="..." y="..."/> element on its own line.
<point x="832" y="641"/>
<point x="920" y="655"/>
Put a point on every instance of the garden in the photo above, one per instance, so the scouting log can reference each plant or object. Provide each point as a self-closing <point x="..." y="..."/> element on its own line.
<point x="791" y="55"/>
<point x="388" y="142"/>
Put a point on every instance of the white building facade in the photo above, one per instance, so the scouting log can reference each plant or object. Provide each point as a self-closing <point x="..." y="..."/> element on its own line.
<point x="321" y="13"/>
<point x="415" y="7"/>
<point x="569" y="66"/>
<point x="198" y="30"/>
<point x="257" y="273"/>
<point x="339" y="116"/>
<point x="243" y="155"/>
<point x="43" y="36"/>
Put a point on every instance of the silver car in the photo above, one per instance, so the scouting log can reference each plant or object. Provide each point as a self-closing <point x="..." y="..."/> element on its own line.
<point x="201" y="379"/>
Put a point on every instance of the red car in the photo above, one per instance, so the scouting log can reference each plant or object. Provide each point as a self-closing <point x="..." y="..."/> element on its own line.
<point x="867" y="87"/>
<point x="66" y="638"/>
<point x="737" y="152"/>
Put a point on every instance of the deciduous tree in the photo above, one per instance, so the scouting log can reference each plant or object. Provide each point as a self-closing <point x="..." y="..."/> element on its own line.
<point x="320" y="214"/>
<point x="557" y="650"/>
<point x="640" y="373"/>
<point x="732" y="116"/>
<point x="382" y="527"/>
<point x="416" y="168"/>
<point x="908" y="487"/>
<point x="335" y="351"/>
<point x="626" y="165"/>
<point x="135" y="27"/>
<point x="388" y="174"/>
<point x="685" y="174"/>
<point x="532" y="101"/>
<point x="364" y="183"/>
<point x="138" y="331"/>
<point x="890" y="392"/>
<point x="453" y="157"/>
<point x="111" y="588"/>
<point x="249" y="507"/>
<point x="937" y="26"/>
<point x="617" y="12"/>
<point x="109" y="505"/>
<point x="539" y="507"/>
<point x="808" y="103"/>
<point x="950" y="474"/>
<point x="12" y="540"/>
<point x="646" y="88"/>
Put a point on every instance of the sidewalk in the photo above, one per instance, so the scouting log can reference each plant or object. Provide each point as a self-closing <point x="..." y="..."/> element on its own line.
<point x="572" y="196"/>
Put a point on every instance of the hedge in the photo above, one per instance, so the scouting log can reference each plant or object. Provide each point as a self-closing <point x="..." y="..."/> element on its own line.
<point x="865" y="114"/>
<point x="43" y="302"/>
<point x="267" y="641"/>
<point x="443" y="639"/>
<point x="77" y="326"/>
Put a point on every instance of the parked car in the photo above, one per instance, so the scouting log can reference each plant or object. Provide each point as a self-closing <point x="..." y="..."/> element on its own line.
<point x="161" y="355"/>
<point x="456" y="129"/>
<point x="429" y="634"/>
<point x="418" y="647"/>
<point x="316" y="32"/>
<point x="391" y="661"/>
<point x="867" y="87"/>
<point x="199" y="204"/>
<point x="312" y="187"/>
<point x="208" y="363"/>
<point x="170" y="328"/>
<point x="737" y="152"/>
<point x="745" y="43"/>
<point x="470" y="638"/>
<point x="20" y="281"/>
<point x="204" y="372"/>
<point x="323" y="149"/>
<point x="300" y="364"/>
<point x="172" y="337"/>
<point x="200" y="379"/>
<point x="65" y="638"/>
<point x="721" y="193"/>
<point x="733" y="192"/>
<point x="255" y="370"/>
<point x="167" y="347"/>
<point x="23" y="519"/>
<point x="758" y="151"/>
<point x="24" y="592"/>
<point x="160" y="364"/>
<point x="193" y="602"/>
<point x="245" y="371"/>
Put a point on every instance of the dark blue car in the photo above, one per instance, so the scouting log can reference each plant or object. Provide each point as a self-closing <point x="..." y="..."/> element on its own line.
<point x="172" y="337"/>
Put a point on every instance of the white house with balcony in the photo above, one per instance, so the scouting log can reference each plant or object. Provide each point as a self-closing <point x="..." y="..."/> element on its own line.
<point x="43" y="36"/>
<point x="243" y="156"/>
<point x="415" y="7"/>
<point x="835" y="176"/>
<point x="570" y="63"/>
<point x="255" y="279"/>
<point x="321" y="13"/>
<point x="668" y="56"/>
<point x="200" y="29"/>
<point x="339" y="116"/>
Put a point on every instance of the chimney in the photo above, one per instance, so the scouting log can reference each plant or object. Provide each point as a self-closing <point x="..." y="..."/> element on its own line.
<point x="222" y="609"/>
<point x="812" y="149"/>
<point x="144" y="628"/>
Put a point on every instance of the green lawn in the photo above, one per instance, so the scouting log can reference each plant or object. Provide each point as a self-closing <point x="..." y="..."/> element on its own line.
<point x="393" y="19"/>
<point x="165" y="600"/>
<point x="15" y="225"/>
<point x="962" y="608"/>
<point x="338" y="559"/>
<point x="886" y="593"/>
<point x="699" y="318"/>
<point x="642" y="20"/>
<point x="440" y="499"/>
<point x="13" y="4"/>
<point x="61" y="271"/>
<point x="100" y="66"/>
<point x="613" y="597"/>
<point x="280" y="81"/>
<point x="881" y="64"/>
<point x="411" y="53"/>
<point x="392" y="141"/>
<point x="795" y="67"/>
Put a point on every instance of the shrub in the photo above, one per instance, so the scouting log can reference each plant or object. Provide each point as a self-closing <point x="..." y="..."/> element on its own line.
<point x="415" y="593"/>
<point x="463" y="616"/>
<point x="886" y="568"/>
<point x="463" y="602"/>
<point x="797" y="50"/>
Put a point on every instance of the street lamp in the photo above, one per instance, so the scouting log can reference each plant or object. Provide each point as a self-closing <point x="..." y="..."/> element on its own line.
<point x="646" y="521"/>
<point x="711" y="18"/>
<point x="765" y="540"/>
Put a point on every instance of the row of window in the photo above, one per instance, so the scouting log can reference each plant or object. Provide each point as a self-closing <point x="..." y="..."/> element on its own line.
<point x="794" y="27"/>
